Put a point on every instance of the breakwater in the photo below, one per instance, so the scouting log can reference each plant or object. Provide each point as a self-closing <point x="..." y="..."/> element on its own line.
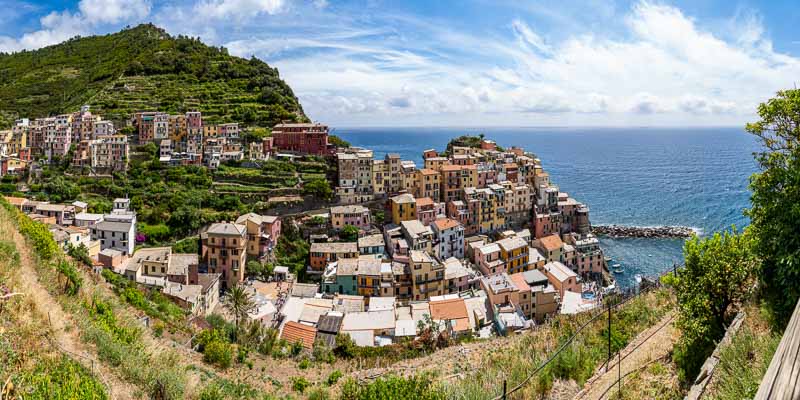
<point x="643" y="231"/>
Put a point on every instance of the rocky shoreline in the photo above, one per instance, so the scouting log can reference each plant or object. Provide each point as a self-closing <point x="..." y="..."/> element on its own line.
<point x="643" y="231"/>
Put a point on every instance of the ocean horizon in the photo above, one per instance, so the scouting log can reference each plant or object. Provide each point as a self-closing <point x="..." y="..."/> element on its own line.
<point x="691" y="176"/>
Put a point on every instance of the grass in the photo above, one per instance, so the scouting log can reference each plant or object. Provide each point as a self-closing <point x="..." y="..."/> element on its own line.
<point x="30" y="366"/>
<point x="102" y="321"/>
<point x="745" y="359"/>
<point x="658" y="380"/>
<point x="516" y="360"/>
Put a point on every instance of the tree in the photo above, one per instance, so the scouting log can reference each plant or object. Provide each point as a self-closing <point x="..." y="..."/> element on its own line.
<point x="318" y="188"/>
<point x="240" y="303"/>
<point x="719" y="273"/>
<point x="258" y="270"/>
<point x="775" y="216"/>
<point x="349" y="233"/>
<point x="337" y="141"/>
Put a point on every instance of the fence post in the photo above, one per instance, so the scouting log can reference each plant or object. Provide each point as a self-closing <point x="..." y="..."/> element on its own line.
<point x="608" y="363"/>
<point x="619" y="375"/>
<point x="504" y="389"/>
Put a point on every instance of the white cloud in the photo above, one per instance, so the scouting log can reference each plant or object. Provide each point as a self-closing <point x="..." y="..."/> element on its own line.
<point x="113" y="11"/>
<point x="239" y="9"/>
<point x="57" y="27"/>
<point x="528" y="37"/>
<point x="374" y="65"/>
<point x="664" y="69"/>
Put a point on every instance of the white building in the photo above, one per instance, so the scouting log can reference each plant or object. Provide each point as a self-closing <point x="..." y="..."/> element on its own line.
<point x="448" y="236"/>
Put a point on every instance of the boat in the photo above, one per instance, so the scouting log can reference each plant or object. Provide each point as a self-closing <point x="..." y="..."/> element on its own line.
<point x="617" y="268"/>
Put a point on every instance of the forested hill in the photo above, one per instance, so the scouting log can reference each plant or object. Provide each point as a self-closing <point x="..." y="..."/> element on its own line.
<point x="143" y="68"/>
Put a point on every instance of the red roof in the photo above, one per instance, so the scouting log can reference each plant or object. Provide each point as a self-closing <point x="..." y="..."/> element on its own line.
<point x="294" y="332"/>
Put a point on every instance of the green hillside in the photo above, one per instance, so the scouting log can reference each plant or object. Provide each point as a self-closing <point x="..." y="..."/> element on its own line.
<point x="143" y="68"/>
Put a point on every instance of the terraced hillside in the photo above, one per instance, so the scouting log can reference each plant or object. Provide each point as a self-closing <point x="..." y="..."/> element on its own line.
<point x="143" y="68"/>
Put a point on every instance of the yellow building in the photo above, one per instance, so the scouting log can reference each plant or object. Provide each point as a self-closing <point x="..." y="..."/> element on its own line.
<point x="427" y="276"/>
<point x="403" y="207"/>
<point x="514" y="253"/>
<point x="469" y="176"/>
<point x="428" y="184"/>
<point x="487" y="206"/>
<point x="436" y="163"/>
<point x="5" y="142"/>
<point x="368" y="276"/>
<point x="380" y="177"/>
<point x="19" y="139"/>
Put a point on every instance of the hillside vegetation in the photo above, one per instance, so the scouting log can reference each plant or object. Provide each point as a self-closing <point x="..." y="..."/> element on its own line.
<point x="143" y="68"/>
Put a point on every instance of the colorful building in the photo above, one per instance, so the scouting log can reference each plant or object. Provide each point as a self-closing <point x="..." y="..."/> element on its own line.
<point x="353" y="215"/>
<point x="301" y="138"/>
<point x="403" y="208"/>
<point x="225" y="251"/>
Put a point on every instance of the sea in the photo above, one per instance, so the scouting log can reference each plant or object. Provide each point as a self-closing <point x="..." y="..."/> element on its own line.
<point x="696" y="177"/>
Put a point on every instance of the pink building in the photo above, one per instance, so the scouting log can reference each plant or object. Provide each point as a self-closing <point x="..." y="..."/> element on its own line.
<point x="486" y="176"/>
<point x="426" y="210"/>
<point x="487" y="258"/>
<point x="562" y="278"/>
<point x="354" y="215"/>
<point x="546" y="224"/>
<point x="268" y="144"/>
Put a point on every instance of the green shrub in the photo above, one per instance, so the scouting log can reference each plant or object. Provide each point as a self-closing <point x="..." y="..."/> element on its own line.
<point x="72" y="280"/>
<point x="218" y="353"/>
<point x="304" y="364"/>
<point x="334" y="377"/>
<point x="64" y="379"/>
<point x="393" y="387"/>
<point x="318" y="393"/>
<point x="299" y="384"/>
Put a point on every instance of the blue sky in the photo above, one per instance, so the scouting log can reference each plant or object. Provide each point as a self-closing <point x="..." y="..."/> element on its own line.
<point x="477" y="62"/>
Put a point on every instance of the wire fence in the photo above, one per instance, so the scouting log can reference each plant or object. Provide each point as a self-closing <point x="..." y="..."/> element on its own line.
<point x="86" y="361"/>
<point x="623" y="297"/>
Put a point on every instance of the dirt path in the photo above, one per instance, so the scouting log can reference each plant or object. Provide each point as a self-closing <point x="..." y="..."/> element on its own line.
<point x="655" y="342"/>
<point x="64" y="333"/>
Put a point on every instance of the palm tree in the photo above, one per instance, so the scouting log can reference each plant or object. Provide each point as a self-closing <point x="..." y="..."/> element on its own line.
<point x="240" y="303"/>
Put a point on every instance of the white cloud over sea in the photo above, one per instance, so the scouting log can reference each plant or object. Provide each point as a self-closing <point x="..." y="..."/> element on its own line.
<point x="644" y="63"/>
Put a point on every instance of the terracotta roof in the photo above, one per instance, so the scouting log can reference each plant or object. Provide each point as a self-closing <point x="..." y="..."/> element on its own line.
<point x="552" y="242"/>
<point x="424" y="201"/>
<point x="426" y="171"/>
<point x="294" y="332"/>
<point x="519" y="282"/>
<point x="16" y="201"/>
<point x="446" y="223"/>
<point x="448" y="309"/>
<point x="454" y="310"/>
